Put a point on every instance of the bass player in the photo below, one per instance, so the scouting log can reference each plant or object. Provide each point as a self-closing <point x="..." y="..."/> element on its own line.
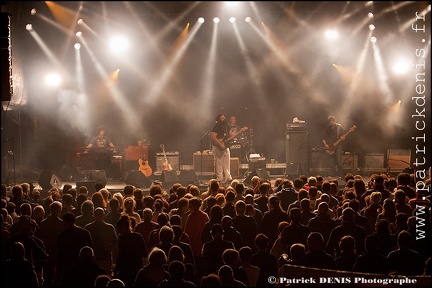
<point x="331" y="134"/>
<point x="220" y="136"/>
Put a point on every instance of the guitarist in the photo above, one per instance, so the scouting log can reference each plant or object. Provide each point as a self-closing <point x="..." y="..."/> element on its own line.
<point x="221" y="151"/>
<point x="332" y="133"/>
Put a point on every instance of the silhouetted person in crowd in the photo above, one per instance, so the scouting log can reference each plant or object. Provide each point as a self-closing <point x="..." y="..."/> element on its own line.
<point x="346" y="261"/>
<point x="348" y="227"/>
<point x="131" y="252"/>
<point x="176" y="270"/>
<point x="295" y="232"/>
<point x="17" y="270"/>
<point x="69" y="243"/>
<point x="246" y="225"/>
<point x="322" y="222"/>
<point x="227" y="277"/>
<point x="154" y="272"/>
<point x="230" y="233"/>
<point x="315" y="256"/>
<point x="50" y="227"/>
<point x="85" y="272"/>
<point x="104" y="238"/>
<point x="271" y="220"/>
<point x="212" y="250"/>
<point x="372" y="261"/>
<point x="266" y="262"/>
<point x="404" y="260"/>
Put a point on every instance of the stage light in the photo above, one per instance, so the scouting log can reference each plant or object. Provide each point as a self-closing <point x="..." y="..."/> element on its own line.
<point x="80" y="21"/>
<point x="53" y="80"/>
<point x="201" y="20"/>
<point x="248" y="19"/>
<point x="33" y="11"/>
<point x="216" y="20"/>
<point x="401" y="67"/>
<point x="331" y="34"/>
<point x="78" y="34"/>
<point x="29" y="27"/>
<point x="373" y="39"/>
<point x="371" y="27"/>
<point x="232" y="19"/>
<point x="370" y="15"/>
<point x="119" y="44"/>
<point x="77" y="46"/>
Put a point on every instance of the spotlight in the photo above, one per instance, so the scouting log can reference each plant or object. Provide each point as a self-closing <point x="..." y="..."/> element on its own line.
<point x="331" y="34"/>
<point x="373" y="39"/>
<point x="79" y="34"/>
<point x="201" y="20"/>
<point x="80" y="21"/>
<point x="232" y="19"/>
<point x="371" y="27"/>
<point x="77" y="46"/>
<point x="33" y="11"/>
<point x="248" y="19"/>
<point x="370" y="15"/>
<point x="53" y="80"/>
<point x="119" y="44"/>
<point x="29" y="27"/>
<point x="216" y="20"/>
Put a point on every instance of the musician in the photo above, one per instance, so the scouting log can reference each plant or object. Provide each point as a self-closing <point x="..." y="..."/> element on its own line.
<point x="101" y="140"/>
<point x="98" y="146"/>
<point x="221" y="151"/>
<point x="332" y="133"/>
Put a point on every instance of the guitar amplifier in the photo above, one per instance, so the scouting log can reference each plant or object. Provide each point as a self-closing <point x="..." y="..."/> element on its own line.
<point x="172" y="158"/>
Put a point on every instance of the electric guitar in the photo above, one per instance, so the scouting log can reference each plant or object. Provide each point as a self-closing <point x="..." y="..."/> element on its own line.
<point x="331" y="149"/>
<point x="224" y="143"/>
<point x="144" y="167"/>
<point x="166" y="165"/>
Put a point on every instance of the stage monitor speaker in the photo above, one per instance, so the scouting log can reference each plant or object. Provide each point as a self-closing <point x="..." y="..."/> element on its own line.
<point x="137" y="179"/>
<point x="169" y="178"/>
<point x="261" y="173"/>
<point x="293" y="170"/>
<point x="297" y="149"/>
<point x="98" y="176"/>
<point x="91" y="186"/>
<point x="68" y="174"/>
<point x="48" y="179"/>
<point x="188" y="177"/>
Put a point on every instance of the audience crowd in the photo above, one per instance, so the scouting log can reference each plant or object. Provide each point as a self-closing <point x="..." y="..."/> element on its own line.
<point x="229" y="235"/>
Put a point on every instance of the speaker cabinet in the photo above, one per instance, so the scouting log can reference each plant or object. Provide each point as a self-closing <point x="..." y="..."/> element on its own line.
<point x="398" y="159"/>
<point x="187" y="177"/>
<point x="374" y="162"/>
<point x="349" y="162"/>
<point x="48" y="179"/>
<point x="297" y="149"/>
<point x="98" y="176"/>
<point x="208" y="164"/>
<point x="91" y="186"/>
<point x="137" y="179"/>
<point x="172" y="158"/>
<point x="261" y="173"/>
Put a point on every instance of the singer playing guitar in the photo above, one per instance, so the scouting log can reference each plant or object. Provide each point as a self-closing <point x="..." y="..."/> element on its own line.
<point x="333" y="133"/>
<point x="220" y="136"/>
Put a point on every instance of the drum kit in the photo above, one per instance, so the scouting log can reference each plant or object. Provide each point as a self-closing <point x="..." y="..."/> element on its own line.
<point x="242" y="145"/>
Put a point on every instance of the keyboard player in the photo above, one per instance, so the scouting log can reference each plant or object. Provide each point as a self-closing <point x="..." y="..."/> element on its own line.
<point x="102" y="148"/>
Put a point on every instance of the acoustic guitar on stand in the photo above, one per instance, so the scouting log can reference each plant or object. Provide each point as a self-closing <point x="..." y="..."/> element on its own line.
<point x="144" y="167"/>
<point x="331" y="149"/>
<point x="166" y="165"/>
